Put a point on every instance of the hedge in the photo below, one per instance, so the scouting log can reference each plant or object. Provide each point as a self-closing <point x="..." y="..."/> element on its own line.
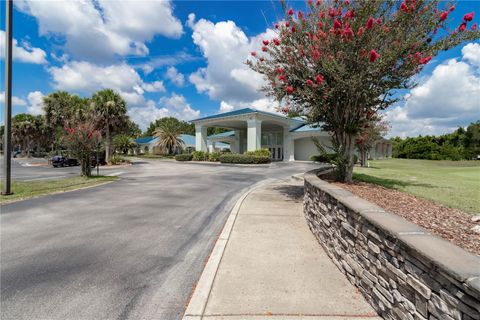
<point x="183" y="157"/>
<point x="243" y="159"/>
<point x="329" y="158"/>
<point x="214" y="156"/>
<point x="199" y="156"/>
<point x="260" y="153"/>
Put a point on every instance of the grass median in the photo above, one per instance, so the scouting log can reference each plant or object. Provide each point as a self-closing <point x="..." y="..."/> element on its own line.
<point x="452" y="183"/>
<point x="28" y="189"/>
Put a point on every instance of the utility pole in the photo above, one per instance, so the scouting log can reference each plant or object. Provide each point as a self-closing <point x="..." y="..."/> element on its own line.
<point x="7" y="143"/>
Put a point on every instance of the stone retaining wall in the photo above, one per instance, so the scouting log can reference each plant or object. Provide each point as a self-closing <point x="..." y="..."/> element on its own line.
<point x="402" y="270"/>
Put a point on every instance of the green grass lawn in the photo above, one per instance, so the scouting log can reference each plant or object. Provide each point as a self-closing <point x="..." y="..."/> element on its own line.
<point x="453" y="183"/>
<point x="27" y="189"/>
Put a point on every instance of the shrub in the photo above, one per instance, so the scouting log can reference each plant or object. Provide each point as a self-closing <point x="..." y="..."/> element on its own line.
<point x="199" y="156"/>
<point x="117" y="159"/>
<point x="259" y="153"/>
<point x="183" y="157"/>
<point x="327" y="158"/>
<point x="243" y="159"/>
<point x="214" y="156"/>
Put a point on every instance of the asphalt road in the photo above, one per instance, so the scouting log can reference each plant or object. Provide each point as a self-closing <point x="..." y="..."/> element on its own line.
<point x="35" y="169"/>
<point x="132" y="249"/>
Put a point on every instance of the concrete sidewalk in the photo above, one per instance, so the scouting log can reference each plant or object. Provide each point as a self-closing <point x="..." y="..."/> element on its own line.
<point x="267" y="265"/>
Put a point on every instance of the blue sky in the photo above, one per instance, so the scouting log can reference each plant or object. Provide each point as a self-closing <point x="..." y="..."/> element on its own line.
<point x="185" y="59"/>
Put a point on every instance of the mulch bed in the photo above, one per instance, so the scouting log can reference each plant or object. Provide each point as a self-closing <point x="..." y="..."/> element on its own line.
<point x="450" y="224"/>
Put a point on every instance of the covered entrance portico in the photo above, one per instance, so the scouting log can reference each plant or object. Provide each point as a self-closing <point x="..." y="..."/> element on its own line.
<point x="250" y="130"/>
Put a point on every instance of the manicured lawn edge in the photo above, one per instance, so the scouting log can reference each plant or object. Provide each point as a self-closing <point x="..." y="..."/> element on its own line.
<point x="24" y="190"/>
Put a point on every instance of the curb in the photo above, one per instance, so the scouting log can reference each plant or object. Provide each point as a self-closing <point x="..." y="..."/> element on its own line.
<point x="198" y="302"/>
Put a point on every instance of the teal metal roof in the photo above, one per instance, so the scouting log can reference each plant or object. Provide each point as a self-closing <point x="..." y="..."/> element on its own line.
<point x="308" y="127"/>
<point x="144" y="140"/>
<point x="222" y="135"/>
<point x="241" y="112"/>
<point x="188" y="139"/>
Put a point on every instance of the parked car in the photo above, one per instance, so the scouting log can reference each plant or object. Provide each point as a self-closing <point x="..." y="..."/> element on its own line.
<point x="59" y="161"/>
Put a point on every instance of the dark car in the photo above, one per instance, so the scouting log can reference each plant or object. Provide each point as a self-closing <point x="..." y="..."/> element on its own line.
<point x="59" y="161"/>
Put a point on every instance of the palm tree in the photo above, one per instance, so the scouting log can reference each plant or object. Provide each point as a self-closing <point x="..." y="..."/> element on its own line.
<point x="123" y="143"/>
<point x="168" y="134"/>
<point x="109" y="110"/>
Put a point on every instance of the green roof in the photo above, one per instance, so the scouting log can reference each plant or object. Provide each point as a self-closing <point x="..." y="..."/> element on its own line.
<point x="241" y="112"/>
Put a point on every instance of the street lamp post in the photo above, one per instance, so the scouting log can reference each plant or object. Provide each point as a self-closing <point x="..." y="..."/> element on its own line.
<point x="7" y="144"/>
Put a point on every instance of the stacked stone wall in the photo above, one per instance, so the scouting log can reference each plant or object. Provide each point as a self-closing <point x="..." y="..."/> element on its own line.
<point x="403" y="271"/>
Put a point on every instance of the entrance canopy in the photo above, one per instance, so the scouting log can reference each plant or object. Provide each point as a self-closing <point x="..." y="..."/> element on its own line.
<point x="250" y="130"/>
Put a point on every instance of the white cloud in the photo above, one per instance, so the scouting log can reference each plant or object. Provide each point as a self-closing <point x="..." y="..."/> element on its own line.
<point x="99" y="30"/>
<point x="16" y="101"/>
<point x="24" y="52"/>
<point x="225" y="107"/>
<point x="144" y="115"/>
<point x="179" y="107"/>
<point x="447" y="99"/>
<point x="191" y="20"/>
<point x="471" y="53"/>
<point x="35" y="103"/>
<point x="174" y="106"/>
<point x="175" y="76"/>
<point x="86" y="77"/>
<point x="226" y="48"/>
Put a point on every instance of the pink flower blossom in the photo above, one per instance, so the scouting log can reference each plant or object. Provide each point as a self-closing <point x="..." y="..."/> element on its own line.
<point x="294" y="29"/>
<point x="451" y="8"/>
<point x="309" y="83"/>
<point x="253" y="53"/>
<point x="404" y="7"/>
<point x="319" y="78"/>
<point x="279" y="70"/>
<point x="264" y="49"/>
<point x="369" y="24"/>
<point x="287" y="24"/>
<point x="289" y="89"/>
<point x="337" y="24"/>
<point x="282" y="77"/>
<point x="360" y="31"/>
<point x="300" y="15"/>
<point x="265" y="42"/>
<point x="468" y="16"/>
<point x="374" y="55"/>
<point x="443" y="16"/>
<point x="474" y="27"/>
<point x="425" y="60"/>
<point x="379" y="21"/>
<point x="277" y="26"/>
<point x="290" y="12"/>
<point x="462" y="27"/>
<point x="276" y="42"/>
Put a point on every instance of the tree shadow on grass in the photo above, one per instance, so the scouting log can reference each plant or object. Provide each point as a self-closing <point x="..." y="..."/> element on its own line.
<point x="390" y="183"/>
<point x="294" y="193"/>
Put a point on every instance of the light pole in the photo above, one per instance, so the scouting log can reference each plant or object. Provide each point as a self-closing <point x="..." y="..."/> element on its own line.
<point x="7" y="144"/>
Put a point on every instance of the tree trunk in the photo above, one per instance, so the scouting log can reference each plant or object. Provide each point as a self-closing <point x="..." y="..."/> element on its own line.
<point x="107" y="143"/>
<point x="363" y="157"/>
<point x="86" y="165"/>
<point x="345" y="149"/>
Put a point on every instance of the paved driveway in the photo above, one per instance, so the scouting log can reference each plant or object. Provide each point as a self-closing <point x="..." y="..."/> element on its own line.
<point x="132" y="249"/>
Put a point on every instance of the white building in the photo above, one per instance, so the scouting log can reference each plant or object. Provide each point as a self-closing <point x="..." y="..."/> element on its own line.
<point x="288" y="139"/>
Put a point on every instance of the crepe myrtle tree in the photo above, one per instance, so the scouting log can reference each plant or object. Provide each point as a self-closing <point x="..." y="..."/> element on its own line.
<point x="339" y="62"/>
<point x="83" y="140"/>
<point x="370" y="134"/>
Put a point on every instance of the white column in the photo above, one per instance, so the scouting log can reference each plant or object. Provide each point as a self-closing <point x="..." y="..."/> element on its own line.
<point x="212" y="147"/>
<point x="254" y="134"/>
<point x="288" y="145"/>
<point x="390" y="150"/>
<point x="235" y="145"/>
<point x="200" y="138"/>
